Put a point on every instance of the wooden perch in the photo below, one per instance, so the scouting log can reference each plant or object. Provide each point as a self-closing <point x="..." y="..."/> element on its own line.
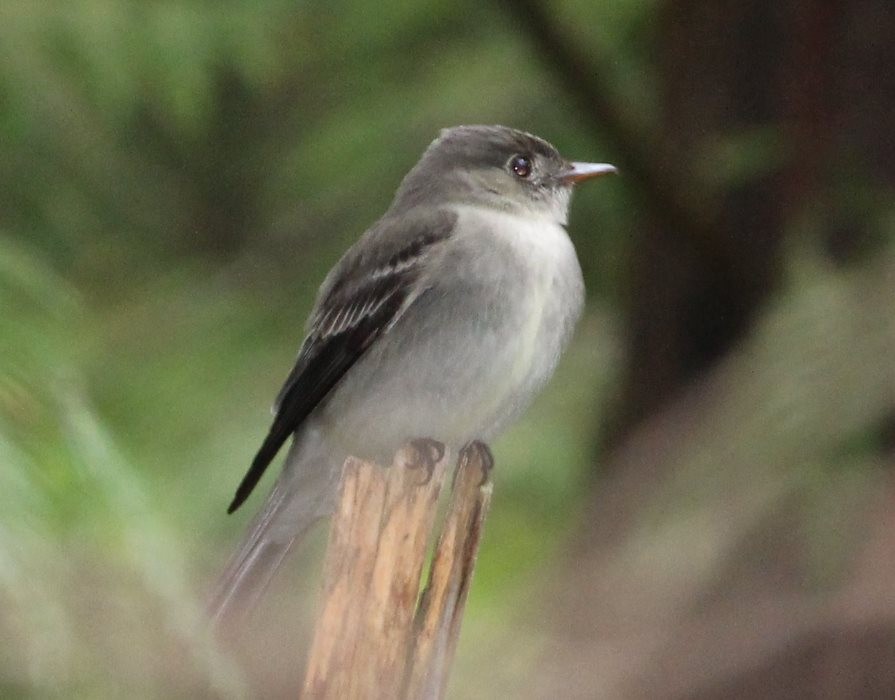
<point x="372" y="640"/>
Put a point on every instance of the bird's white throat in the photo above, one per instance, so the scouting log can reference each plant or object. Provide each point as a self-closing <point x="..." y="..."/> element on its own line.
<point x="537" y="237"/>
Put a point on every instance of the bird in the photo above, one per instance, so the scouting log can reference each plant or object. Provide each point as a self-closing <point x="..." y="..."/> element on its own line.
<point x="442" y="322"/>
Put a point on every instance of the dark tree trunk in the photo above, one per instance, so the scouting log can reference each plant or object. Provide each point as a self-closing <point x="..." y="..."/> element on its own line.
<point x="721" y="66"/>
<point x="808" y="87"/>
<point x="778" y="118"/>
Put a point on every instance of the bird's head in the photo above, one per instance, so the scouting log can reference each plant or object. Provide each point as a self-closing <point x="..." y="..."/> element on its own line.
<point x="499" y="167"/>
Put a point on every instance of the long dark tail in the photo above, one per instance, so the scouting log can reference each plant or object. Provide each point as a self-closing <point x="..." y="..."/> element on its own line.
<point x="253" y="565"/>
<point x="303" y="494"/>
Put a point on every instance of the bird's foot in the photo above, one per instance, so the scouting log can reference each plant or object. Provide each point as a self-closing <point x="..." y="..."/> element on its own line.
<point x="478" y="450"/>
<point x="428" y="453"/>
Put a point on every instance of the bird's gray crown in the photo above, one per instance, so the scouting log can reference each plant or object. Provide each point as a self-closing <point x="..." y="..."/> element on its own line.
<point x="472" y="164"/>
<point x="486" y="146"/>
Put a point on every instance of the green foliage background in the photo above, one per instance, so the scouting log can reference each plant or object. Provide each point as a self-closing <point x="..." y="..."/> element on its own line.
<point x="175" y="179"/>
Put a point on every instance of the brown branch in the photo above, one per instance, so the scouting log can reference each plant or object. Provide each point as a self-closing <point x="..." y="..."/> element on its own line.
<point x="675" y="201"/>
<point x="443" y="601"/>
<point x="370" y="641"/>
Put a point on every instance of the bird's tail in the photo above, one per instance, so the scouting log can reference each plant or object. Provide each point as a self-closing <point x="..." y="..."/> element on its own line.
<point x="301" y="496"/>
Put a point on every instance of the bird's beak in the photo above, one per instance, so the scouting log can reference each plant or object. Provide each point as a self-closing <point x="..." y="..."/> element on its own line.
<point x="578" y="172"/>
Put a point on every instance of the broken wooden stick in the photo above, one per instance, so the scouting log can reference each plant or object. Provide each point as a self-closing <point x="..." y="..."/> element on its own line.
<point x="372" y="638"/>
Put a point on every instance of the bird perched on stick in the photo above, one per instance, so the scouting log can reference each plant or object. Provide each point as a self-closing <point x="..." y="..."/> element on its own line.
<point x="442" y="321"/>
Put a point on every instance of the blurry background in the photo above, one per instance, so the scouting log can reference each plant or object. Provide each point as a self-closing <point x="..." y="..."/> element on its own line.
<point x="699" y="506"/>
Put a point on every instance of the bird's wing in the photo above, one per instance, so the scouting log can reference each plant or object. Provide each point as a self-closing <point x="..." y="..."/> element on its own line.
<point x="363" y="297"/>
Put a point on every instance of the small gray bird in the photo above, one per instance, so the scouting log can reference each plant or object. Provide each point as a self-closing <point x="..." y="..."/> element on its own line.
<point x="443" y="321"/>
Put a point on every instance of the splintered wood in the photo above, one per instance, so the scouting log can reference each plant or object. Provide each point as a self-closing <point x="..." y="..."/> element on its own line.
<point x="372" y="638"/>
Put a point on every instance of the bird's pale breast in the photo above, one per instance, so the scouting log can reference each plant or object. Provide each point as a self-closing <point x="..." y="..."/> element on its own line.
<point x="474" y="349"/>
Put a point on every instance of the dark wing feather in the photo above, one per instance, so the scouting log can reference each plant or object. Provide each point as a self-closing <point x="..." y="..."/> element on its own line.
<point x="362" y="302"/>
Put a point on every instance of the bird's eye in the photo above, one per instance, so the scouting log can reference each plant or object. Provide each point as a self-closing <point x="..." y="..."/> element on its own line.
<point x="521" y="166"/>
